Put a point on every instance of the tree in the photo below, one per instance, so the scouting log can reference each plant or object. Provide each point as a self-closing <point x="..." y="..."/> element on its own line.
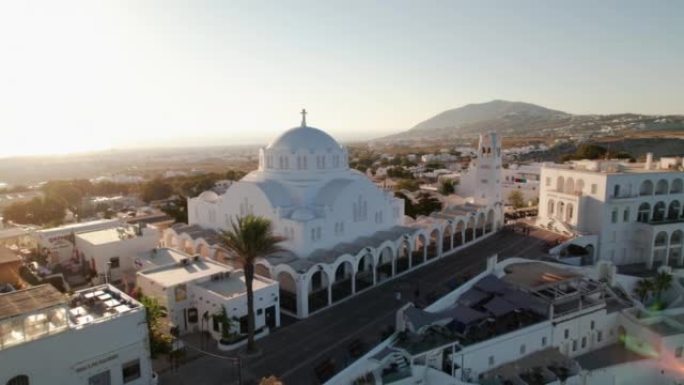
<point x="234" y="174"/>
<point x="447" y="186"/>
<point x="248" y="238"/>
<point x="590" y="151"/>
<point x="407" y="184"/>
<point x="45" y="211"/>
<point x="177" y="209"/>
<point x="160" y="339"/>
<point x="156" y="189"/>
<point x="661" y="283"/>
<point x="399" y="173"/>
<point x="643" y="288"/>
<point x="409" y="207"/>
<point x="427" y="204"/>
<point x="516" y="199"/>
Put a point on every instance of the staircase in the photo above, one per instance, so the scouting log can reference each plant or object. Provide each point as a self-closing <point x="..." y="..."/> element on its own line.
<point x="399" y="360"/>
<point x="557" y="226"/>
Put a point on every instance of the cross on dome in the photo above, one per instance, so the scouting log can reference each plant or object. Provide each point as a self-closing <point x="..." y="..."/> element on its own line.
<point x="303" y="117"/>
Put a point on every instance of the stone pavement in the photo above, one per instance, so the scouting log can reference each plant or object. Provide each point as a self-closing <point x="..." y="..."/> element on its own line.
<point x="292" y="352"/>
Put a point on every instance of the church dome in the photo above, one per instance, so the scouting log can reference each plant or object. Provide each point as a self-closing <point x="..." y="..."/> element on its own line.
<point x="302" y="150"/>
<point x="304" y="138"/>
<point x="209" y="196"/>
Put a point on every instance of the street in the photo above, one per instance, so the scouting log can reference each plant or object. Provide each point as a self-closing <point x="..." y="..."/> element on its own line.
<point x="292" y="352"/>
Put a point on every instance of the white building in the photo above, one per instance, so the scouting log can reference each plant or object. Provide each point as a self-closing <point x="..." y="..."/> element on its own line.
<point x="195" y="290"/>
<point x="97" y="336"/>
<point x="343" y="233"/>
<point x="530" y="322"/>
<point x="628" y="212"/>
<point x="523" y="178"/>
<point x="58" y="242"/>
<point x="112" y="252"/>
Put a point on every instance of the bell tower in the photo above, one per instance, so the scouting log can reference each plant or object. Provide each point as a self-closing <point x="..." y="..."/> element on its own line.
<point x="488" y="170"/>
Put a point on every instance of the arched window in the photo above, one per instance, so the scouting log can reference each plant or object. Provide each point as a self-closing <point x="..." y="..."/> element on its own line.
<point x="646" y="188"/>
<point x="19" y="380"/>
<point x="644" y="213"/>
<point x="676" y="186"/>
<point x="660" y="239"/>
<point x="570" y="185"/>
<point x="659" y="211"/>
<point x="661" y="187"/>
<point x="616" y="190"/>
<point x="569" y="212"/>
<point x="673" y="210"/>
<point x="560" y="183"/>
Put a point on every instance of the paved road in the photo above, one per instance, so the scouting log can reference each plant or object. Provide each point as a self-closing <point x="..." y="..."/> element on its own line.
<point x="292" y="352"/>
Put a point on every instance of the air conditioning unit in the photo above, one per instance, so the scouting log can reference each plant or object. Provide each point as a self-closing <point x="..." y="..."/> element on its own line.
<point x="184" y="262"/>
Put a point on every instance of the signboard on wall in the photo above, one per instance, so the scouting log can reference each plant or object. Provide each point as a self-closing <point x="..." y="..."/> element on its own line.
<point x="181" y="293"/>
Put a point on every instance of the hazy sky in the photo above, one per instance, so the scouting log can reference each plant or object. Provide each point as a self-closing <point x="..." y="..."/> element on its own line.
<point x="95" y="74"/>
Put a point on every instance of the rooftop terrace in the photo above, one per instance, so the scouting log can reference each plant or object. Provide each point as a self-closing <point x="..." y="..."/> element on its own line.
<point x="40" y="311"/>
<point x="610" y="355"/>
<point x="495" y="306"/>
<point x="541" y="367"/>
<point x="490" y="308"/>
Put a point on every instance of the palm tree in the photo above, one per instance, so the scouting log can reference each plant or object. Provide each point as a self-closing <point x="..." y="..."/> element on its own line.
<point x="643" y="288"/>
<point x="248" y="238"/>
<point x="661" y="282"/>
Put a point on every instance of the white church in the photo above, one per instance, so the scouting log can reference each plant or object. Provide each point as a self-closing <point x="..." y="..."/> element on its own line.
<point x="343" y="233"/>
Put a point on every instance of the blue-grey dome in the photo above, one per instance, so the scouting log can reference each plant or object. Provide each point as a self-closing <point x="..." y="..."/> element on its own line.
<point x="304" y="138"/>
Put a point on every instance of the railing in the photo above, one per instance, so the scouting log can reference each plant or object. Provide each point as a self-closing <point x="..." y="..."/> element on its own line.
<point x="664" y="221"/>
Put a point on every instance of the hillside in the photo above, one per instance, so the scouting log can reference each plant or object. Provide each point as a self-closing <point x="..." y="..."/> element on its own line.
<point x="525" y="119"/>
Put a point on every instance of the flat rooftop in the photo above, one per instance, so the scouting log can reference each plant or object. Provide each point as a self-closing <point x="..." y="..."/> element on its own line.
<point x="109" y="235"/>
<point x="610" y="355"/>
<point x="7" y="255"/>
<point x="611" y="166"/>
<point x="30" y="300"/>
<point x="76" y="226"/>
<point x="234" y="285"/>
<point x="161" y="256"/>
<point x="533" y="275"/>
<point x="172" y="275"/>
<point x="13" y="232"/>
<point x="547" y="363"/>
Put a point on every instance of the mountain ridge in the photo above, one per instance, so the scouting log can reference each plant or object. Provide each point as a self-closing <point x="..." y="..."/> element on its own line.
<point x="515" y="118"/>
